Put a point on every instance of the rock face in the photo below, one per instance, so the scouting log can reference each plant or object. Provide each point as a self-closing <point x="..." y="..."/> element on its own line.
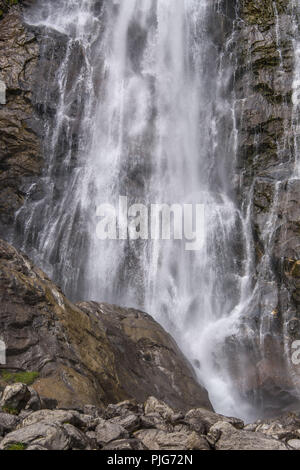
<point x="20" y="154"/>
<point x="152" y="425"/>
<point x="87" y="353"/>
<point x="263" y="42"/>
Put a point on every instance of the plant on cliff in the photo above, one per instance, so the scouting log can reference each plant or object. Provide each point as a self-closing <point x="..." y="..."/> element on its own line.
<point x="26" y="378"/>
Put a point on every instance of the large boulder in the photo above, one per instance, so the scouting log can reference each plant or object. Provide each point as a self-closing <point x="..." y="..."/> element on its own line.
<point x="87" y="353"/>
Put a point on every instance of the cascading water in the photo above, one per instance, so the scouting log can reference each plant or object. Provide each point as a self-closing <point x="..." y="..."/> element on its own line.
<point x="144" y="110"/>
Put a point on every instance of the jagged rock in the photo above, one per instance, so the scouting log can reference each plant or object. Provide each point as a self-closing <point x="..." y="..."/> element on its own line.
<point x="130" y="422"/>
<point x="123" y="409"/>
<point x="88" y="353"/>
<point x="15" y="397"/>
<point x="55" y="417"/>
<point x="34" y="402"/>
<point x="201" y="420"/>
<point x="78" y="440"/>
<point x="50" y="436"/>
<point x="153" y="405"/>
<point x="107" y="431"/>
<point x="285" y="427"/>
<point x="8" y="423"/>
<point x="155" y="420"/>
<point x="155" y="439"/>
<point x="226" y="437"/>
<point x="71" y="430"/>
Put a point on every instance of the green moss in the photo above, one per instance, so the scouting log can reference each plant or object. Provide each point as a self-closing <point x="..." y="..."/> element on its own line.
<point x="10" y="410"/>
<point x="19" y="377"/>
<point x="17" y="446"/>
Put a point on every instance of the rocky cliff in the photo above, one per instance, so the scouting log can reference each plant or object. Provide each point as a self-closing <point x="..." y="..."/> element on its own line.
<point x="20" y="148"/>
<point x="269" y="190"/>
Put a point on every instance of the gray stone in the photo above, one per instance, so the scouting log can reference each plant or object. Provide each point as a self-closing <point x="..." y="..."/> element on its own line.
<point x="15" y="397"/>
<point x="107" y="432"/>
<point x="54" y="417"/>
<point x="201" y="420"/>
<point x="154" y="439"/>
<point x="225" y="437"/>
<point x="130" y="422"/>
<point x="50" y="436"/>
<point x="8" y="423"/>
<point x="34" y="402"/>
<point x="294" y="444"/>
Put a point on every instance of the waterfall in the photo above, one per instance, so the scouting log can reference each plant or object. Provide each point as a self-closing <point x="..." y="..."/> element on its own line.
<point x="153" y="122"/>
<point x="144" y="109"/>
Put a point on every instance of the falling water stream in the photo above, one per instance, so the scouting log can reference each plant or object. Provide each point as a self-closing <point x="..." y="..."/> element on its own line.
<point x="147" y="113"/>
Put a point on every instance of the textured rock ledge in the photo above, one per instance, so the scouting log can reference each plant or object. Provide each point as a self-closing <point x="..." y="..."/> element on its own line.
<point x="20" y="149"/>
<point x="87" y="353"/>
<point x="132" y="426"/>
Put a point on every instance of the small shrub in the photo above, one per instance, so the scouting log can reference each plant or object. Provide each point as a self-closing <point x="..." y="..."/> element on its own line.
<point x="10" y="410"/>
<point x="16" y="446"/>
